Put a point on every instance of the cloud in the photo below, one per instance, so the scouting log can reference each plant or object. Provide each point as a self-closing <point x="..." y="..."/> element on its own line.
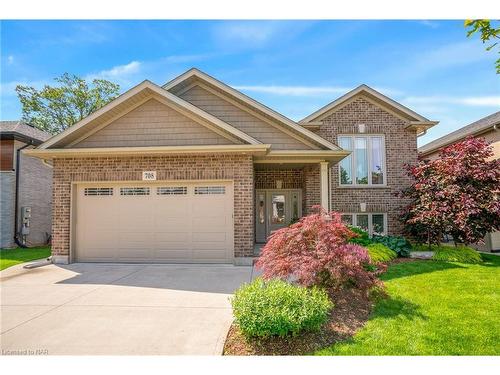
<point x="120" y="71"/>
<point x="124" y="75"/>
<point x="10" y="60"/>
<point x="473" y="101"/>
<point x="241" y="34"/>
<point x="428" y="23"/>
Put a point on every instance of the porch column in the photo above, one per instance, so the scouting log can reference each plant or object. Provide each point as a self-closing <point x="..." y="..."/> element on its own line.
<point x="323" y="176"/>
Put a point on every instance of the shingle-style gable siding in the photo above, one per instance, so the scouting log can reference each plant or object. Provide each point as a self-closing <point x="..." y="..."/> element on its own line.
<point x="242" y="120"/>
<point x="401" y="149"/>
<point x="153" y="124"/>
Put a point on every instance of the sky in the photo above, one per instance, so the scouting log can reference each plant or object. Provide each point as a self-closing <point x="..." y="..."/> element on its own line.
<point x="294" y="67"/>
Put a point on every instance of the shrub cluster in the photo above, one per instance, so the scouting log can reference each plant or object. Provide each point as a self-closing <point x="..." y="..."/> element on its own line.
<point x="461" y="254"/>
<point x="400" y="245"/>
<point x="380" y="253"/>
<point x="396" y="243"/>
<point x="316" y="251"/>
<point x="277" y="308"/>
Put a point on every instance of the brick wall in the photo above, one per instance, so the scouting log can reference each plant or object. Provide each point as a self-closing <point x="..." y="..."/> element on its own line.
<point x="291" y="178"/>
<point x="401" y="149"/>
<point x="186" y="167"/>
<point x="312" y="187"/>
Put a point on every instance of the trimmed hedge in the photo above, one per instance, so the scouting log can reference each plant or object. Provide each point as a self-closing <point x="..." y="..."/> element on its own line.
<point x="277" y="308"/>
<point x="449" y="253"/>
<point x="380" y="253"/>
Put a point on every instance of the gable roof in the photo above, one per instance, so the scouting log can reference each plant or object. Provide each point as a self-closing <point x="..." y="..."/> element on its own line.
<point x="132" y="98"/>
<point x="23" y="132"/>
<point x="370" y="93"/>
<point x="475" y="128"/>
<point x="193" y="74"/>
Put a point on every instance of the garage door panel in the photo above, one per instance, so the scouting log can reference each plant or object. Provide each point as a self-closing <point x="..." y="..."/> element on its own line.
<point x="209" y="208"/>
<point x="206" y="225"/>
<point x="170" y="223"/>
<point x="99" y="239"/>
<point x="163" y="239"/>
<point x="209" y="237"/>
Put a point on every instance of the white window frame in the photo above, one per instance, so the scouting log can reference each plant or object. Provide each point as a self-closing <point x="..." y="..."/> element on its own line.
<point x="370" y="220"/>
<point x="369" y="160"/>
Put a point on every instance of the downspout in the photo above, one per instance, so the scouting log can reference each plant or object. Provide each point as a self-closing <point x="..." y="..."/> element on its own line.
<point x="16" y="200"/>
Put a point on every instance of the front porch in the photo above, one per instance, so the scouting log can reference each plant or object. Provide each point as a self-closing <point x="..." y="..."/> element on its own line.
<point x="286" y="192"/>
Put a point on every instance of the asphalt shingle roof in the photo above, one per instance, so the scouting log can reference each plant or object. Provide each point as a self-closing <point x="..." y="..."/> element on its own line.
<point x="24" y="129"/>
<point x="471" y="129"/>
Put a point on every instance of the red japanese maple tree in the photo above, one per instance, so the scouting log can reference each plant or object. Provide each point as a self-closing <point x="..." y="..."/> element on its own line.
<point x="456" y="194"/>
<point x="314" y="251"/>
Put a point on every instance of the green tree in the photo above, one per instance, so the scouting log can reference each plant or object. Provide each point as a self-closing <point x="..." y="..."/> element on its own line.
<point x="488" y="34"/>
<point x="56" y="108"/>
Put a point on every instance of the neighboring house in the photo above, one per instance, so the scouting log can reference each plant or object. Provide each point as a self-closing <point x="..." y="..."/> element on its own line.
<point x="26" y="184"/>
<point x="487" y="128"/>
<point x="196" y="171"/>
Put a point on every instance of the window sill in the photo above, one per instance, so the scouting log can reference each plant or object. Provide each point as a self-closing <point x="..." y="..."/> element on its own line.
<point x="363" y="187"/>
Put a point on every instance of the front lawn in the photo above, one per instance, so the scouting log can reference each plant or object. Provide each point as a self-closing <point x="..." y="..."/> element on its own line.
<point x="11" y="257"/>
<point x="434" y="308"/>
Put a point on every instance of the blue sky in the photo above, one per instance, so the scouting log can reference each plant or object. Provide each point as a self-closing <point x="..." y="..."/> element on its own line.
<point x="295" y="67"/>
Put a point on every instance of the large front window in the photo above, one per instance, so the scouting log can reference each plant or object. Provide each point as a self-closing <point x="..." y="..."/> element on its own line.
<point x="365" y="165"/>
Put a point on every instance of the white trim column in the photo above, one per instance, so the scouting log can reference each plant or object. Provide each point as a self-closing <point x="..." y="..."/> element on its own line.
<point x="323" y="176"/>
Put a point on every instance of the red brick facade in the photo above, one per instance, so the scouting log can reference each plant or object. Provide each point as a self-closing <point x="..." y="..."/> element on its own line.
<point x="238" y="168"/>
<point x="401" y="149"/>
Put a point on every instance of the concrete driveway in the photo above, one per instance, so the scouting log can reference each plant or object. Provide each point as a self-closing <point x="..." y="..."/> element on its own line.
<point x="117" y="309"/>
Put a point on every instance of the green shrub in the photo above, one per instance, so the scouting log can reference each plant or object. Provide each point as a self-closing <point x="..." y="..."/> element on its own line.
<point x="277" y="308"/>
<point x="462" y="254"/>
<point x="380" y="253"/>
<point x="396" y="243"/>
<point x="362" y="239"/>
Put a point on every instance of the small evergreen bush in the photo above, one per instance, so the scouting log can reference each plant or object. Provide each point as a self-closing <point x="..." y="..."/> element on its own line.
<point x="278" y="308"/>
<point x="461" y="254"/>
<point x="380" y="253"/>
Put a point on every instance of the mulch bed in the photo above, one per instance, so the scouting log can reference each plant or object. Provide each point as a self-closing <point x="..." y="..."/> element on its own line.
<point x="350" y="313"/>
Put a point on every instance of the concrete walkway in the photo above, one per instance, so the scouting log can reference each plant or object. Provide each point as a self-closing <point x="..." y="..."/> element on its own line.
<point x="117" y="309"/>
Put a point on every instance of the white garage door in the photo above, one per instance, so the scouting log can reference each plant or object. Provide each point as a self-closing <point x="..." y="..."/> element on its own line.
<point x="154" y="222"/>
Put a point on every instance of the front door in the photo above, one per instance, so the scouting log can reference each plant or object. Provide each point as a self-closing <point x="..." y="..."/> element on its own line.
<point x="276" y="209"/>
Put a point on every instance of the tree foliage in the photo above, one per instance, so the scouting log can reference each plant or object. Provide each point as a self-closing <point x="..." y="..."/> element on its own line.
<point x="456" y="194"/>
<point x="56" y="108"/>
<point x="315" y="251"/>
<point x="487" y="34"/>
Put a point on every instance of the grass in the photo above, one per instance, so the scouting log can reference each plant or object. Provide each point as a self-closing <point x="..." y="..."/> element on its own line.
<point x="434" y="308"/>
<point x="11" y="257"/>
